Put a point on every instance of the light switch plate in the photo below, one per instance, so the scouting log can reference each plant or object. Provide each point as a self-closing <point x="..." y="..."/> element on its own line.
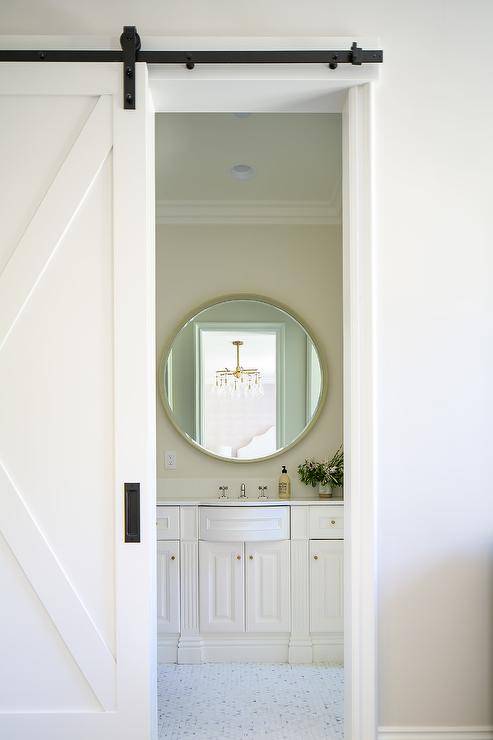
<point x="170" y="460"/>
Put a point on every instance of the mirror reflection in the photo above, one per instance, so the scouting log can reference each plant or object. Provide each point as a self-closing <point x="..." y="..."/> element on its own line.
<point x="242" y="379"/>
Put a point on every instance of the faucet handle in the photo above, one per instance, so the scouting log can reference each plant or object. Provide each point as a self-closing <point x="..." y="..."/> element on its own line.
<point x="223" y="491"/>
<point x="262" y="492"/>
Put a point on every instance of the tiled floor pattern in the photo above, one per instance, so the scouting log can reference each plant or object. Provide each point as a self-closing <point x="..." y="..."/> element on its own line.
<point x="231" y="701"/>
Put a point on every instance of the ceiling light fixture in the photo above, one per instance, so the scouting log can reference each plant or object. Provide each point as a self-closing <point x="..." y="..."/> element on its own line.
<point x="242" y="171"/>
<point x="240" y="381"/>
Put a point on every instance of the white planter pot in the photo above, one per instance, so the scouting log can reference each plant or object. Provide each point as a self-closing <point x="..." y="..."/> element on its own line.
<point x="324" y="491"/>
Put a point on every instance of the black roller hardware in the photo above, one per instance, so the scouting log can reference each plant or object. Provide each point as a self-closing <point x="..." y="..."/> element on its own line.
<point x="131" y="53"/>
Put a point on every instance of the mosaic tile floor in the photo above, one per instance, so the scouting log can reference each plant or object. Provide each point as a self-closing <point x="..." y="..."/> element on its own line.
<point x="231" y="701"/>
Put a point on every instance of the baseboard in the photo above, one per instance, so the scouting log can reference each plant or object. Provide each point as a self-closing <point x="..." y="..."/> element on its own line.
<point x="435" y="733"/>
<point x="250" y="648"/>
<point x="300" y="651"/>
<point x="190" y="649"/>
<point x="167" y="649"/>
<point x="328" y="648"/>
<point x="244" y="648"/>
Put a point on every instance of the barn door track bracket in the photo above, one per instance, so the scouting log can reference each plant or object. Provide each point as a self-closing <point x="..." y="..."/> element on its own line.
<point x="131" y="53"/>
<point x="130" y="43"/>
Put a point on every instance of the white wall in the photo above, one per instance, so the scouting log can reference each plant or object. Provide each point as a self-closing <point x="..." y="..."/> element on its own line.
<point x="300" y="266"/>
<point x="433" y="266"/>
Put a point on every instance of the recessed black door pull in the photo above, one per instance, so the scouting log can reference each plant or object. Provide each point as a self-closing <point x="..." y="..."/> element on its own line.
<point x="132" y="512"/>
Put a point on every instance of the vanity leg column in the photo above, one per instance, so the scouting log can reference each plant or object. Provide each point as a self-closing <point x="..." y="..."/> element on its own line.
<point x="190" y="642"/>
<point x="300" y="644"/>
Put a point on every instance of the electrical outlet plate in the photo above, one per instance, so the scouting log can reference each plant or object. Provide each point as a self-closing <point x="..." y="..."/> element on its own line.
<point x="170" y="460"/>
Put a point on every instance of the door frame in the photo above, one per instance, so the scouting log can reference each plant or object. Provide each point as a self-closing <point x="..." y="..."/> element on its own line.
<point x="310" y="88"/>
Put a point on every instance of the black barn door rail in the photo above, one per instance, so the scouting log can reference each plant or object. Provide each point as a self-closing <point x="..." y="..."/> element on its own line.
<point x="131" y="53"/>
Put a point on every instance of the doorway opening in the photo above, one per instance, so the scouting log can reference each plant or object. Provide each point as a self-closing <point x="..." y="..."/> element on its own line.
<point x="229" y="89"/>
<point x="249" y="230"/>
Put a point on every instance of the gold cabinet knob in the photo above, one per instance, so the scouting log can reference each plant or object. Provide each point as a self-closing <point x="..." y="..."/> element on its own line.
<point x="238" y="557"/>
<point x="251" y="557"/>
<point x="173" y="557"/>
<point x="315" y="557"/>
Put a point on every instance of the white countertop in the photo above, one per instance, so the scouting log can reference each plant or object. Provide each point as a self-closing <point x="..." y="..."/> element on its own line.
<point x="191" y="501"/>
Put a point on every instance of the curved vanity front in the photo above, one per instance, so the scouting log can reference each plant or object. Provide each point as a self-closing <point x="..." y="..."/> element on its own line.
<point x="239" y="523"/>
<point x="250" y="581"/>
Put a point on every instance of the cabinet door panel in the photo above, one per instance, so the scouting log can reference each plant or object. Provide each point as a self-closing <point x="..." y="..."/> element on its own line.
<point x="168" y="587"/>
<point x="326" y="586"/>
<point x="221" y="578"/>
<point x="268" y="586"/>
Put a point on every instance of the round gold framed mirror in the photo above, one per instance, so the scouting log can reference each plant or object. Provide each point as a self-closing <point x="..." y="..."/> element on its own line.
<point x="243" y="378"/>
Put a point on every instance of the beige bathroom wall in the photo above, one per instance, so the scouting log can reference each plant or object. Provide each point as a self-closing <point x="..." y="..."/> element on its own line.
<point x="298" y="265"/>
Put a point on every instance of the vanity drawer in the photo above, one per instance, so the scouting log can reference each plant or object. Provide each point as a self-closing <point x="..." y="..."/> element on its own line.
<point x="168" y="522"/>
<point x="244" y="524"/>
<point x="327" y="522"/>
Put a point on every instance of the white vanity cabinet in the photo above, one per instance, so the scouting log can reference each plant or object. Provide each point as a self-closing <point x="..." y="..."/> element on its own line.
<point x="221" y="587"/>
<point x="244" y="587"/>
<point x="326" y="586"/>
<point x="168" y="586"/>
<point x="250" y="583"/>
<point x="268" y="603"/>
<point x="244" y="569"/>
<point x="168" y="582"/>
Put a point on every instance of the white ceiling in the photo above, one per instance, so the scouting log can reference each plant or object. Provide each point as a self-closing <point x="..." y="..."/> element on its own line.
<point x="296" y="156"/>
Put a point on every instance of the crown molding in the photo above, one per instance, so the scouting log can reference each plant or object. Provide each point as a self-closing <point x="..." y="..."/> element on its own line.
<point x="246" y="212"/>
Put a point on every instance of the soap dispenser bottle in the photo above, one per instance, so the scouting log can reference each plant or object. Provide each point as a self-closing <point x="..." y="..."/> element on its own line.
<point x="284" y="484"/>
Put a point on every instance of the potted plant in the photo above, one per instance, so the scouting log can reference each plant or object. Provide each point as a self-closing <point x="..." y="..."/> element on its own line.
<point x="324" y="474"/>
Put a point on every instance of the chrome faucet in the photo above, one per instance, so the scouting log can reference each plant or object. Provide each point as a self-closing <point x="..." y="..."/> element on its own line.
<point x="243" y="491"/>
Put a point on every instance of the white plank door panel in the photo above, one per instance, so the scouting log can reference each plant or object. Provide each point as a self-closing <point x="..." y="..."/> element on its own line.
<point x="221" y="587"/>
<point x="60" y="205"/>
<point x="326" y="585"/>
<point x="29" y="175"/>
<point x="168" y="587"/>
<point x="76" y="382"/>
<point x="267" y="586"/>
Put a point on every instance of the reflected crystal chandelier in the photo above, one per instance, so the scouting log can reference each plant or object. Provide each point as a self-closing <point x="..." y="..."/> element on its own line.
<point x="241" y="381"/>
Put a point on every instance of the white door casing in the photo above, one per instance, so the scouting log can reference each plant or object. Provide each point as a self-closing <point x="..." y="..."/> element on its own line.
<point x="267" y="586"/>
<point x="326" y="585"/>
<point x="77" y="400"/>
<point x="221" y="587"/>
<point x="348" y="90"/>
<point x="168" y="586"/>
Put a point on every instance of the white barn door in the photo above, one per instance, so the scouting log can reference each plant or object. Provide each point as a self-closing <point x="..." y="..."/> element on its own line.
<point x="76" y="404"/>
